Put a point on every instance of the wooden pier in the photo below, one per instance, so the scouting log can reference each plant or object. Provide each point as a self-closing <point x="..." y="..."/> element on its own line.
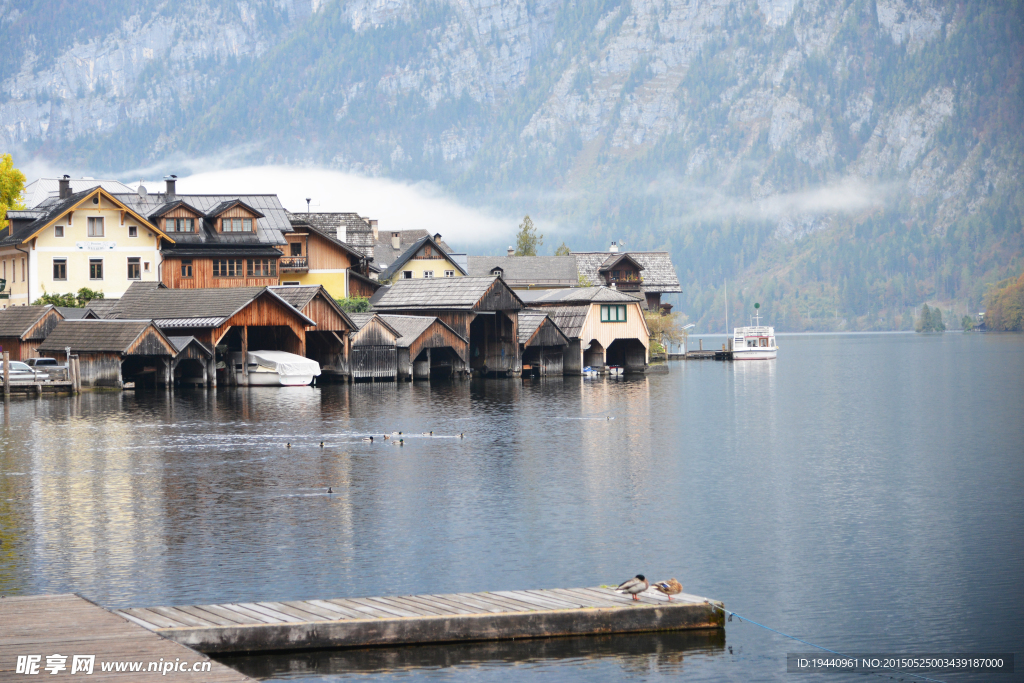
<point x="54" y="626"/>
<point x="252" y="627"/>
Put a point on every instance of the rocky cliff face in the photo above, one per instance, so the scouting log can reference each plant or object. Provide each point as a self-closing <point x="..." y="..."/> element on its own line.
<point x="668" y="122"/>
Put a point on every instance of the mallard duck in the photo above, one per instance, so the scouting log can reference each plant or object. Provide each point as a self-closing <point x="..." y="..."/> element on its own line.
<point x="638" y="584"/>
<point x="396" y="433"/>
<point x="330" y="490"/>
<point x="400" y="442"/>
<point x="669" y="588"/>
<point x="368" y="439"/>
<point x="321" y="444"/>
<point x="288" y="445"/>
<point x="462" y="435"/>
<point x="427" y="434"/>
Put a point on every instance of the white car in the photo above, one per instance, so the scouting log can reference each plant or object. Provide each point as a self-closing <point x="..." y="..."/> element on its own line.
<point x="20" y="372"/>
<point x="47" y="368"/>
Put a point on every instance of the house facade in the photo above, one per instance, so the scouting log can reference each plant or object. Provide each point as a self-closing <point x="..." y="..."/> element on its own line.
<point x="87" y="239"/>
<point x="424" y="259"/>
<point x="315" y="256"/>
<point x="647" y="274"/>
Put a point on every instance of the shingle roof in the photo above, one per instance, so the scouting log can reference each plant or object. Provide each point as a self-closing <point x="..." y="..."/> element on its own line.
<point x="575" y="295"/>
<point x="95" y="335"/>
<point x="329" y="234"/>
<point x="269" y="228"/>
<point x="101" y="307"/>
<point x="446" y="292"/>
<point x="659" y="275"/>
<point x="527" y="270"/>
<point x="349" y="228"/>
<point x="570" y="319"/>
<point x="73" y="313"/>
<point x="529" y="320"/>
<point x="300" y="295"/>
<point x="16" y="320"/>
<point x="23" y="227"/>
<point x="410" y="327"/>
<point x="209" y="307"/>
<point x="179" y="344"/>
<point x="360" y="320"/>
<point x="399" y="260"/>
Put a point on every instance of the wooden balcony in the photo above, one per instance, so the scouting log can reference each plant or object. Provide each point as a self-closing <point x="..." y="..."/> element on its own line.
<point x="293" y="264"/>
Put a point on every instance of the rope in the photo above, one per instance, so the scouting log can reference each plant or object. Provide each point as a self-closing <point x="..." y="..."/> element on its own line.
<point x="801" y="640"/>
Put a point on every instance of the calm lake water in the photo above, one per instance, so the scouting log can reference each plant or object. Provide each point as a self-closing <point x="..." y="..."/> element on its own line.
<point x="863" y="492"/>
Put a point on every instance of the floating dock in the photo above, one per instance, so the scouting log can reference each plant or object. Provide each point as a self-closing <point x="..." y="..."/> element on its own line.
<point x="54" y="629"/>
<point x="253" y="627"/>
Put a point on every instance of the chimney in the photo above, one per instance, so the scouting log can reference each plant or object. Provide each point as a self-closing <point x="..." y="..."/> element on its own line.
<point x="373" y="227"/>
<point x="171" y="192"/>
<point x="511" y="251"/>
<point x="614" y="248"/>
<point x="396" y="240"/>
<point x="65" y="187"/>
<point x="437" y="237"/>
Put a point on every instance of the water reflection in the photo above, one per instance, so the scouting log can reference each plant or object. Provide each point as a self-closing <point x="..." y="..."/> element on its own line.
<point x="652" y="654"/>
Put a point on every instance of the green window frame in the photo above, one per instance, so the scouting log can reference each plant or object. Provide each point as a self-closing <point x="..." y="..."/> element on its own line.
<point x="613" y="313"/>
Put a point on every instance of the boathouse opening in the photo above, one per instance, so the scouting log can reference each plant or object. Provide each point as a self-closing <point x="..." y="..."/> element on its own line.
<point x="494" y="343"/>
<point x="629" y="354"/>
<point x="593" y="354"/>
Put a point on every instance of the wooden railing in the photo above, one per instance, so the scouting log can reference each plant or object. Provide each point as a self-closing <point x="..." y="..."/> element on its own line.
<point x="294" y="263"/>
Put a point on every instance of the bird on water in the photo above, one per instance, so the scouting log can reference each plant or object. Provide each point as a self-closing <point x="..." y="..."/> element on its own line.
<point x="368" y="439"/>
<point x="427" y="433"/>
<point x="288" y="445"/>
<point x="669" y="588"/>
<point x="321" y="444"/>
<point x="638" y="584"/>
<point x="400" y="442"/>
<point x="330" y="490"/>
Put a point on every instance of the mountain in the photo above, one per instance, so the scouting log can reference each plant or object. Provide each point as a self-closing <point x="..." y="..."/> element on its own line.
<point x="839" y="162"/>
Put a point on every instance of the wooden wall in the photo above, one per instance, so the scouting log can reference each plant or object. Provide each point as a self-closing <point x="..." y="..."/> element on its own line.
<point x="357" y="287"/>
<point x="20" y="350"/>
<point x="202" y="275"/>
<point x="100" y="369"/>
<point x="325" y="255"/>
<point x="329" y="351"/>
<point x="438" y="336"/>
<point x="150" y="343"/>
<point x="494" y="343"/>
<point x="373" y="333"/>
<point x="325" y="314"/>
<point x="266" y="311"/>
<point x="572" y="358"/>
<point x="43" y="327"/>
<point x="374" y="362"/>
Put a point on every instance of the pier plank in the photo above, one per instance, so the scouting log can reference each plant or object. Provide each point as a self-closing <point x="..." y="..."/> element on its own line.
<point x="348" y="613"/>
<point x="447" y="608"/>
<point x="230" y="615"/>
<point x="308" y="606"/>
<point x="302" y="615"/>
<point x="421" y="610"/>
<point x="469" y="600"/>
<point x="364" y="610"/>
<point x="272" y="613"/>
<point x="253" y="616"/>
<point x="184" y="618"/>
<point x="156" y="618"/>
<point x="511" y="603"/>
<point x="585" y="601"/>
<point x="206" y="616"/>
<point x="393" y="611"/>
<point x="484" y="602"/>
<point x="541" y="603"/>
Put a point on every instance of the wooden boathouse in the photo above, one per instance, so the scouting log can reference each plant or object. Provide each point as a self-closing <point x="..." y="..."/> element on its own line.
<point x="224" y="319"/>
<point x="604" y="326"/>
<point x="374" y="349"/>
<point x="113" y="352"/>
<point x="483" y="310"/>
<point x="327" y="342"/>
<point x="428" y="347"/>
<point x="541" y="342"/>
<point x="23" y="329"/>
<point x="191" y="363"/>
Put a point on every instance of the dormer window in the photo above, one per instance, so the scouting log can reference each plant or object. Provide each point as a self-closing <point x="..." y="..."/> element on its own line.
<point x="236" y="224"/>
<point x="497" y="272"/>
<point x="179" y="225"/>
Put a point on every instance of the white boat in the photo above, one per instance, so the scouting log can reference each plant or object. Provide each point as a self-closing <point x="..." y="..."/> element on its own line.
<point x="755" y="342"/>
<point x="276" y="369"/>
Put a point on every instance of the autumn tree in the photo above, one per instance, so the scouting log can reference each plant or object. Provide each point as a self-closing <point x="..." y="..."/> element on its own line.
<point x="527" y="239"/>
<point x="12" y="184"/>
<point x="665" y="329"/>
<point x="563" y="250"/>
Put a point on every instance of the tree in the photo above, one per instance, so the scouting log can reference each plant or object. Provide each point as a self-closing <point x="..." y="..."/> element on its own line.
<point x="563" y="250"/>
<point x="69" y="300"/>
<point x="527" y="239"/>
<point x="354" y="304"/>
<point x="930" y="320"/>
<point x="967" y="322"/>
<point x="665" y="329"/>
<point x="12" y="184"/>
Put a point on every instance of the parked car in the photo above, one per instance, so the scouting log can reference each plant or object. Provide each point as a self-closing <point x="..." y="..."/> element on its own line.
<point x="20" y="372"/>
<point x="47" y="368"/>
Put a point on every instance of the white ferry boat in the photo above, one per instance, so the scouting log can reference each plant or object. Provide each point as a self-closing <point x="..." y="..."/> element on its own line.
<point x="755" y="342"/>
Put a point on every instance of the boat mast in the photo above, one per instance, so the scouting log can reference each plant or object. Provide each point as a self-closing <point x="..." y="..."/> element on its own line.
<point x="727" y="305"/>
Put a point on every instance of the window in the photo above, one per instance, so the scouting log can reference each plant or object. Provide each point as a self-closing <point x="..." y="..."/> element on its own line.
<point x="449" y="273"/>
<point x="186" y="268"/>
<point x="428" y="274"/>
<point x="406" y="274"/>
<point x="180" y="224"/>
<point x="95" y="269"/>
<point x="616" y="274"/>
<point x="291" y="283"/>
<point x="262" y="267"/>
<point x="60" y="269"/>
<point x="96" y="227"/>
<point x="296" y="249"/>
<point x="134" y="268"/>
<point x="22" y="269"/>
<point x="145" y="266"/>
<point x="236" y="225"/>
<point x="133" y="231"/>
<point x="227" y="267"/>
<point x="613" y="313"/>
<point x="58" y="231"/>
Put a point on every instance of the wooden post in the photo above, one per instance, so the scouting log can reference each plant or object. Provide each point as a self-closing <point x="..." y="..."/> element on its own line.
<point x="211" y="371"/>
<point x="168" y="374"/>
<point x="78" y="373"/>
<point x="245" y="356"/>
<point x="206" y="375"/>
<point x="7" y="374"/>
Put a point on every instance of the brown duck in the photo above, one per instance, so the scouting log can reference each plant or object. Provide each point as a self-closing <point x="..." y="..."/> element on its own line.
<point x="669" y="588"/>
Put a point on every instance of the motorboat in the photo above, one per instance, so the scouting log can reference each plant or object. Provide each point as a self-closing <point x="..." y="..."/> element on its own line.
<point x="754" y="342"/>
<point x="276" y="369"/>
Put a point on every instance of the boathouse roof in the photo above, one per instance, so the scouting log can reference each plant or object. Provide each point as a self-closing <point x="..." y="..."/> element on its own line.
<point x="457" y="293"/>
<point x="531" y="320"/>
<point x="569" y="319"/>
<point x="575" y="295"/>
<point x="300" y="296"/>
<point x="361" y="320"/>
<point x="23" y="321"/>
<point x="209" y="307"/>
<point x="411" y="327"/>
<point x="101" y="307"/>
<point x="539" y="271"/>
<point x="111" y="336"/>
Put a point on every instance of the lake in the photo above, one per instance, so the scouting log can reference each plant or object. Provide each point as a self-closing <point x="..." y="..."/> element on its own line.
<point x="862" y="492"/>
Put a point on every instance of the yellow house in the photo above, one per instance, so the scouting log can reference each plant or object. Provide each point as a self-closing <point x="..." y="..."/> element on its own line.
<point x="425" y="258"/>
<point x="84" y="239"/>
<point x="313" y="257"/>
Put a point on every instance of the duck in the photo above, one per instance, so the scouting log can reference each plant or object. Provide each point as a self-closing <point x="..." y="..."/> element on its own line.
<point x="288" y="445"/>
<point x="368" y="439"/>
<point x="396" y="433"/>
<point x="638" y="584"/>
<point x="462" y="435"/>
<point x="400" y="442"/>
<point x="386" y="437"/>
<point x="330" y="490"/>
<point x="427" y="434"/>
<point x="669" y="588"/>
<point x="321" y="444"/>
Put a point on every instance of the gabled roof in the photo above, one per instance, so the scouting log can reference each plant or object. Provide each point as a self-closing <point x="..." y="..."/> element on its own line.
<point x="530" y="320"/>
<point x="230" y="204"/>
<point x="557" y="271"/>
<point x="330" y="236"/>
<point x="21" y="231"/>
<point x="210" y="307"/>
<point x="459" y="293"/>
<point x="181" y="343"/>
<point x="361" y="320"/>
<point x="615" y="259"/>
<point x="177" y="204"/>
<point x="43" y="189"/>
<point x="16" y="321"/>
<point x="299" y="297"/>
<point x="576" y="295"/>
<point x="659" y="273"/>
<point x="101" y="307"/>
<point x="74" y="313"/>
<point x="410" y="327"/>
<point x="570" y="319"/>
<point x="114" y="336"/>
<point x="269" y="228"/>
<point x="410" y="253"/>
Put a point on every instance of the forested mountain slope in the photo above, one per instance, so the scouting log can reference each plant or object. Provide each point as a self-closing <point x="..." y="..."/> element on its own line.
<point x="840" y="162"/>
